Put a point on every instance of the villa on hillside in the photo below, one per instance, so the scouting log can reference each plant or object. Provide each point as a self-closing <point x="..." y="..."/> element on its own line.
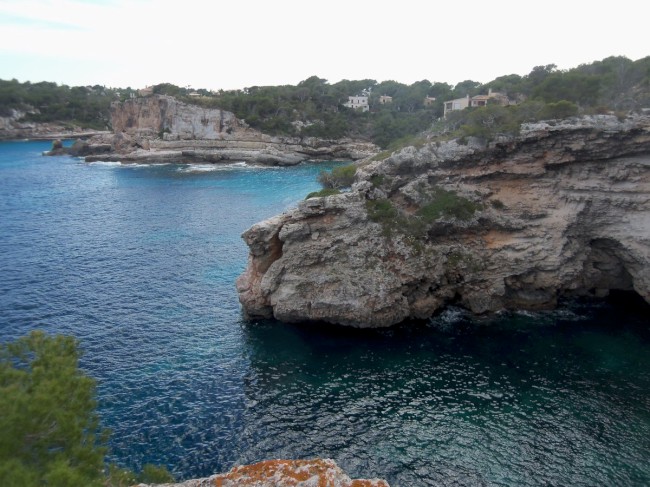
<point x="428" y="101"/>
<point x="476" y="101"/>
<point x="358" y="103"/>
<point x="383" y="99"/>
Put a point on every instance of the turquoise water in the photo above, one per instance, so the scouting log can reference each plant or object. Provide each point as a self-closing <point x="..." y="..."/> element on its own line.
<point x="139" y="263"/>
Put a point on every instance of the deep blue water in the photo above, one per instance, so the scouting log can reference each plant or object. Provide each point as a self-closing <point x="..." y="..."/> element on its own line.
<point x="139" y="263"/>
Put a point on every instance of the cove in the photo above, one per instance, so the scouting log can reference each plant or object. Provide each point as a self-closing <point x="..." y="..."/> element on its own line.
<point x="139" y="263"/>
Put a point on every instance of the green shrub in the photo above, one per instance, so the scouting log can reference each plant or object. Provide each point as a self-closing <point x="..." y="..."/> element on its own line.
<point x="377" y="180"/>
<point x="447" y="203"/>
<point x="381" y="211"/>
<point x="559" y="110"/>
<point x="380" y="156"/>
<point x="47" y="413"/>
<point x="322" y="192"/>
<point x="50" y="429"/>
<point x="339" y="177"/>
<point x="498" y="204"/>
<point x="407" y="141"/>
<point x="488" y="121"/>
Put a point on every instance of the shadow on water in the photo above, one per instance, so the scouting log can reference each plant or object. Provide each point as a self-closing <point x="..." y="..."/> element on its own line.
<point x="517" y="398"/>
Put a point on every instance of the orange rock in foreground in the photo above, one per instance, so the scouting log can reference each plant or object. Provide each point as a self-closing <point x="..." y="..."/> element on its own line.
<point x="283" y="473"/>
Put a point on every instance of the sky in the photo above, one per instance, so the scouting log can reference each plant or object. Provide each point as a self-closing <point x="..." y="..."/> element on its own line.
<point x="241" y="43"/>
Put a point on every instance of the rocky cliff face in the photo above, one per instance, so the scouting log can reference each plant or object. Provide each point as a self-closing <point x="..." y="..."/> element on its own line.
<point x="162" y="129"/>
<point x="159" y="114"/>
<point x="562" y="209"/>
<point x="282" y="473"/>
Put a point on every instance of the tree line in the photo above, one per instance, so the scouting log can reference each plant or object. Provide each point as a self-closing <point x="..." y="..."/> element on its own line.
<point x="87" y="106"/>
<point x="314" y="107"/>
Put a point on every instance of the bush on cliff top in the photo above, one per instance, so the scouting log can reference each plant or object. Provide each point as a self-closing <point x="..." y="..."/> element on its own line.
<point x="447" y="203"/>
<point x="440" y="203"/>
<point x="339" y="177"/>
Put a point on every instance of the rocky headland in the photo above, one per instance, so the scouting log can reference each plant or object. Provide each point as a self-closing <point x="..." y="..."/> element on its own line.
<point x="161" y="129"/>
<point x="13" y="126"/>
<point x="281" y="473"/>
<point x="517" y="223"/>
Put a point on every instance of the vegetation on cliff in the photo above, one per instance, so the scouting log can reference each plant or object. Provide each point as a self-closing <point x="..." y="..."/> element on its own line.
<point x="339" y="177"/>
<point x="86" y="106"/>
<point x="314" y="107"/>
<point x="50" y="429"/>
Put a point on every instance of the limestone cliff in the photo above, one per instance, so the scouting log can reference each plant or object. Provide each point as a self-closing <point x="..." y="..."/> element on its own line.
<point x="562" y="209"/>
<point x="162" y="129"/>
<point x="159" y="114"/>
<point x="282" y="473"/>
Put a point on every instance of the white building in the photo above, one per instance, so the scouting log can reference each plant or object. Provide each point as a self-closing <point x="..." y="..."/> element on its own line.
<point x="358" y="103"/>
<point x="477" y="101"/>
<point x="457" y="104"/>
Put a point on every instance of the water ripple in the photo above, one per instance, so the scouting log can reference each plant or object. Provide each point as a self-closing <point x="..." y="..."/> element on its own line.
<point x="139" y="264"/>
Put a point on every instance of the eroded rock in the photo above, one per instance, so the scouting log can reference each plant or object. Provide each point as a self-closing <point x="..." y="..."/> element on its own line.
<point x="282" y="473"/>
<point x="562" y="209"/>
<point x="160" y="129"/>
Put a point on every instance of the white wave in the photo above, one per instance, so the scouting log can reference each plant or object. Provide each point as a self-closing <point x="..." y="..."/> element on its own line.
<point x="448" y="319"/>
<point x="146" y="164"/>
<point x="528" y="313"/>
<point x="105" y="163"/>
<point x="207" y="167"/>
<point x="197" y="168"/>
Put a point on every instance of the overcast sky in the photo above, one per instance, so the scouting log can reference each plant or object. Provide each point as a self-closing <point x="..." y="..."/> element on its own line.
<point x="240" y="43"/>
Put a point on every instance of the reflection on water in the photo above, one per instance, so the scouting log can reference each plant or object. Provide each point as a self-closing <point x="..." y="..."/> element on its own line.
<point x="515" y="400"/>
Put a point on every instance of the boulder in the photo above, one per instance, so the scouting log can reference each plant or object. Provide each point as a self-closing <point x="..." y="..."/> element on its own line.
<point x="281" y="473"/>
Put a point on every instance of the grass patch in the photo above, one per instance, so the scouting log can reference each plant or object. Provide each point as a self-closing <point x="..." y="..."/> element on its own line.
<point x="385" y="154"/>
<point x="322" y="192"/>
<point x="408" y="141"/>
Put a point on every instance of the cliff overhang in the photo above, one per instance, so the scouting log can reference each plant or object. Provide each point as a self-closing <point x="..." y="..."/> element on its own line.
<point x="563" y="209"/>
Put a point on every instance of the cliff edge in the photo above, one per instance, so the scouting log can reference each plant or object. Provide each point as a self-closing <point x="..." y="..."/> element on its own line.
<point x="564" y="208"/>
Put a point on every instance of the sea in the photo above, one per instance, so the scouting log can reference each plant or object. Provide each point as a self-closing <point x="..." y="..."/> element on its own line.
<point x="139" y="263"/>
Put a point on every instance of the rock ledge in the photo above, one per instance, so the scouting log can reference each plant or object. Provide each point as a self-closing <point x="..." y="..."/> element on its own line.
<point x="281" y="473"/>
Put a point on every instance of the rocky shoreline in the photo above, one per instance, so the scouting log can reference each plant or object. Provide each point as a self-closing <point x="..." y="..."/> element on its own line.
<point x="563" y="209"/>
<point x="265" y="150"/>
<point x="160" y="129"/>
